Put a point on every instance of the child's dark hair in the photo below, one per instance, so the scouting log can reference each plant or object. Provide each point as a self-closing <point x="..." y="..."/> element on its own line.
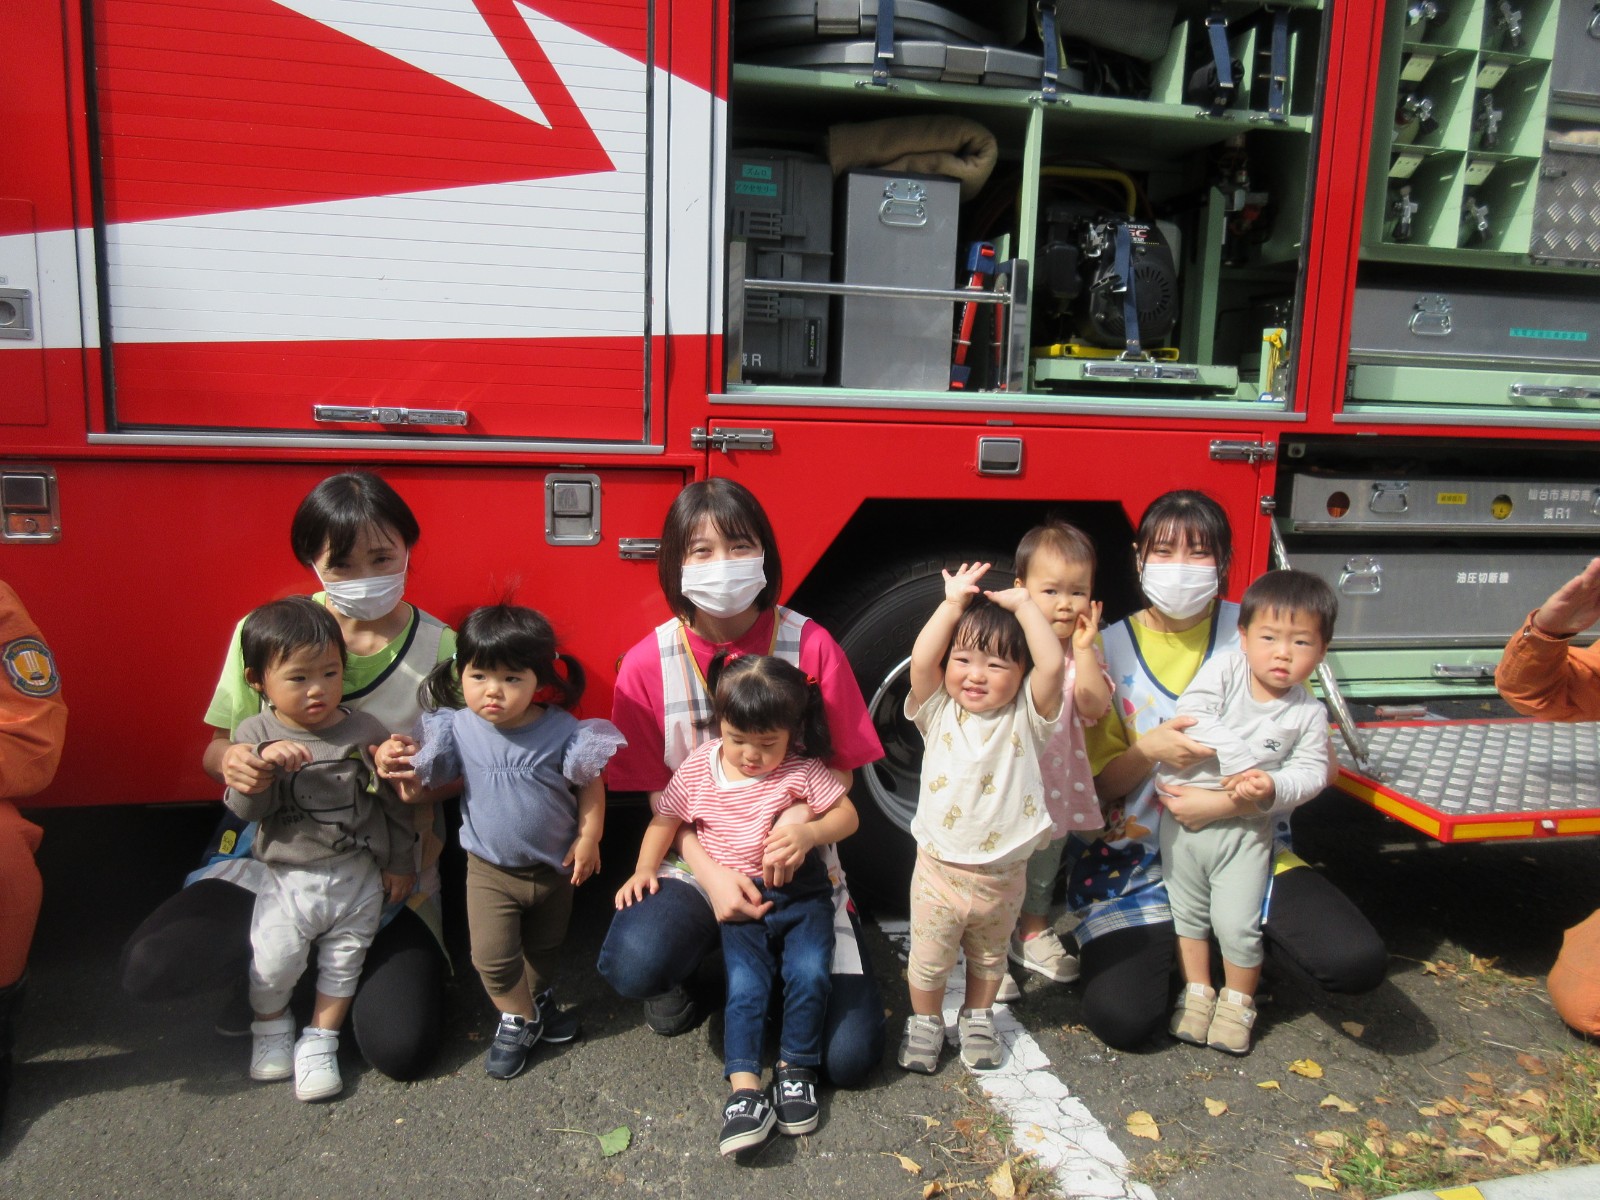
<point x="990" y="629"/>
<point x="735" y="513"/>
<point x="1066" y="542"/>
<point x="274" y="631"/>
<point x="510" y="637"/>
<point x="757" y="693"/>
<point x="1291" y="591"/>
<point x="335" y="512"/>
<point x="1196" y="517"/>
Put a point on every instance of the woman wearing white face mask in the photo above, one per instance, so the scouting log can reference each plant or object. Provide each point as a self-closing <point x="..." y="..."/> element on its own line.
<point x="1183" y="550"/>
<point x="355" y="533"/>
<point x="721" y="574"/>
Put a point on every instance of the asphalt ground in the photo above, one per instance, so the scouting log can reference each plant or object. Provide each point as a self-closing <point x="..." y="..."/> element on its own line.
<point x="119" y="1099"/>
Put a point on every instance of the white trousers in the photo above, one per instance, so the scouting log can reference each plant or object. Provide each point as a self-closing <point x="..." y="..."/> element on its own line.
<point x="334" y="904"/>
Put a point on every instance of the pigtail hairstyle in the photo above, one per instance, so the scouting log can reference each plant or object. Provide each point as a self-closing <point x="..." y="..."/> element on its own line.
<point x="757" y="693"/>
<point x="508" y="637"/>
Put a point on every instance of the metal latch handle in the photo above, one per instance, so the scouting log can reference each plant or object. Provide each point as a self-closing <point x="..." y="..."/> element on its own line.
<point x="1543" y="391"/>
<point x="344" y="415"/>
<point x="1463" y="671"/>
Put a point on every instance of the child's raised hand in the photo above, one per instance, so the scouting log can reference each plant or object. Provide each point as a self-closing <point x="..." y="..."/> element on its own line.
<point x="639" y="885"/>
<point x="962" y="586"/>
<point x="396" y="887"/>
<point x="1088" y="627"/>
<point x="584" y="859"/>
<point x="393" y="757"/>
<point x="286" y="755"/>
<point x="1010" y="599"/>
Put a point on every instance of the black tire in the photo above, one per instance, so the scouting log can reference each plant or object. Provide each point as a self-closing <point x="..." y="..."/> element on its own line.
<point x="875" y="622"/>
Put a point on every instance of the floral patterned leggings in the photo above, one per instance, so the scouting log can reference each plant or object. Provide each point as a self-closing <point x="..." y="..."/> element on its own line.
<point x="955" y="906"/>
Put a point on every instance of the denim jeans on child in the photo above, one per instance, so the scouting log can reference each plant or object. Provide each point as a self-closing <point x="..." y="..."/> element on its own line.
<point x="795" y="941"/>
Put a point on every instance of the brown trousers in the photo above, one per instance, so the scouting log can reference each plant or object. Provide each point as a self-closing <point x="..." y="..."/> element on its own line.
<point x="517" y="917"/>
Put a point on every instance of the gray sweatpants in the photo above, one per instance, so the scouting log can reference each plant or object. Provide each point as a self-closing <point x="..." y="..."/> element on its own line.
<point x="337" y="905"/>
<point x="1216" y="881"/>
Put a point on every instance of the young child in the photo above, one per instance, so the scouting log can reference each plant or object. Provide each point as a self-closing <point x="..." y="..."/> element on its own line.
<point x="529" y="841"/>
<point x="1056" y="563"/>
<point x="768" y="765"/>
<point x="987" y="675"/>
<point x="1271" y="739"/>
<point x="335" y="836"/>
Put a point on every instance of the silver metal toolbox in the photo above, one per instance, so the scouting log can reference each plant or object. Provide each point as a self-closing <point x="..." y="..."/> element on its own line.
<point x="896" y="230"/>
<point x="1456" y="327"/>
<point x="1462" y="597"/>
<point x="1575" y="63"/>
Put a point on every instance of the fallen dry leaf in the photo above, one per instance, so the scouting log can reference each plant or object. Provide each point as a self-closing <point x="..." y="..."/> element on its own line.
<point x="1317" y="1183"/>
<point x="1330" y="1139"/>
<point x="906" y="1164"/>
<point x="1428" y="1110"/>
<point x="1467" y="1152"/>
<point x="1354" y="1028"/>
<point x="1429" y="968"/>
<point x="1532" y="1064"/>
<point x="1001" y="1185"/>
<point x="1532" y="1098"/>
<point x="1382" y="1100"/>
<point x="1525" y="1149"/>
<point x="1216" y="1107"/>
<point x="1500" y="1136"/>
<point x="932" y="1189"/>
<point x="1375" y="1144"/>
<point x="1482" y="965"/>
<point x="1272" y="1084"/>
<point x="1142" y="1124"/>
<point x="1332" y="1101"/>
<point x="1376" y="1126"/>
<point x="1516" y="1124"/>
<point x="1308" y="1067"/>
<point x="1450" y="1107"/>
<point x="1480" y="1077"/>
<point x="929" y="1122"/>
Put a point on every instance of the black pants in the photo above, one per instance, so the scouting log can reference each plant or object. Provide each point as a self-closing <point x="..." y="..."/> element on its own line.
<point x="1312" y="932"/>
<point x="199" y="940"/>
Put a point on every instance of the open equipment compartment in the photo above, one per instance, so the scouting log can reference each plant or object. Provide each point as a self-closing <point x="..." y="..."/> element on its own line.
<point x="1120" y="150"/>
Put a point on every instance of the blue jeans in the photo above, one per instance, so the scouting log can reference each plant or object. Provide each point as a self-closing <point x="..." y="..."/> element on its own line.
<point x="656" y="944"/>
<point x="796" y="939"/>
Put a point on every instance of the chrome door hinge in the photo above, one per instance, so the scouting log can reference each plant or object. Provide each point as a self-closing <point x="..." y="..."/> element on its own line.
<point x="1251" y="452"/>
<point x="730" y="439"/>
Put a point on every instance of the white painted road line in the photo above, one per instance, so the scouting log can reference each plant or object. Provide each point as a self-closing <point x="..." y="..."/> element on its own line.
<point x="1045" y="1116"/>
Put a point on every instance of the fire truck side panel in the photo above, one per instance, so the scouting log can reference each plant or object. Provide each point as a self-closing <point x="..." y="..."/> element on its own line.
<point x="159" y="559"/>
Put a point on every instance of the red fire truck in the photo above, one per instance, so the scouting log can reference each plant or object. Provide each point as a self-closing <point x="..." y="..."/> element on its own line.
<point x="543" y="262"/>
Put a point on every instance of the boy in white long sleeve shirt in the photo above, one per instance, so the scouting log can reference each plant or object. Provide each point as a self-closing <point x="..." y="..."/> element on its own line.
<point x="1271" y="739"/>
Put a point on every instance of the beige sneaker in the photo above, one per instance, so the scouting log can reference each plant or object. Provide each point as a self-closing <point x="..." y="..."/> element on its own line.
<point x="1230" y="1024"/>
<point x="1191" y="1019"/>
<point x="1009" y="992"/>
<point x="1043" y="954"/>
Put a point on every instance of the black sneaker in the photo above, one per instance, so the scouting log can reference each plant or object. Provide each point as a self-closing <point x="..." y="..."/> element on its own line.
<point x="671" y="1013"/>
<point x="513" y="1041"/>
<point x="747" y="1120"/>
<point x="794" y="1098"/>
<point x="557" y="1025"/>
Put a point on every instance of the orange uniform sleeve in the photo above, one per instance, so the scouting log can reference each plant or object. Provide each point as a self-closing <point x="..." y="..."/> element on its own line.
<point x="33" y="716"/>
<point x="1542" y="676"/>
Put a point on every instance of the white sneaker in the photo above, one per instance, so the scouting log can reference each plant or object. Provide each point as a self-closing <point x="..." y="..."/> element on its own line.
<point x="316" y="1065"/>
<point x="272" y="1049"/>
<point x="1043" y="954"/>
<point x="1009" y="992"/>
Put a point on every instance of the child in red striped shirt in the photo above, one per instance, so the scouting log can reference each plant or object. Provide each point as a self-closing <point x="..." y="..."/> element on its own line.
<point x="761" y="799"/>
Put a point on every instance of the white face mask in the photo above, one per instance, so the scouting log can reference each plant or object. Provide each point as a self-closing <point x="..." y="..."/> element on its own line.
<point x="366" y="599"/>
<point x="726" y="587"/>
<point x="1179" y="590"/>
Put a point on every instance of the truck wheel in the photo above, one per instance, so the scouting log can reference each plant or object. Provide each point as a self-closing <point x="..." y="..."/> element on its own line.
<point x="875" y="624"/>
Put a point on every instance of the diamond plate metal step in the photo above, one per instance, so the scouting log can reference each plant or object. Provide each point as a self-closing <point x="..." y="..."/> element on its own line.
<point x="1481" y="780"/>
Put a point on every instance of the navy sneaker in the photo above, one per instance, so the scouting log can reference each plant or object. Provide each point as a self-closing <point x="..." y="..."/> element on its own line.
<point x="794" y="1098"/>
<point x="747" y="1120"/>
<point x="671" y="1013"/>
<point x="513" y="1041"/>
<point x="558" y="1025"/>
